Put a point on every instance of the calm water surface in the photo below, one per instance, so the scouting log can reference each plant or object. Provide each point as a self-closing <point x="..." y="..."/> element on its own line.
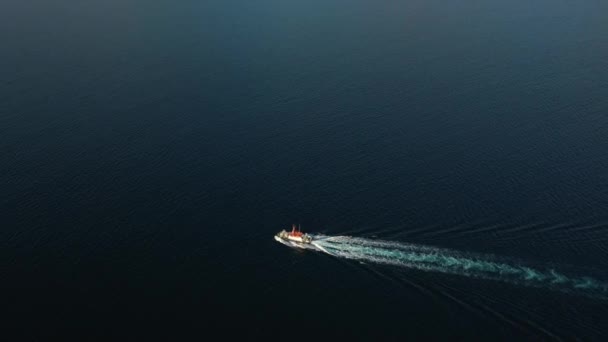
<point x="150" y="150"/>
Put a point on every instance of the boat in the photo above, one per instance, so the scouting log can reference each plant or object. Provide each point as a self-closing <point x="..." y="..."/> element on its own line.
<point x="295" y="235"/>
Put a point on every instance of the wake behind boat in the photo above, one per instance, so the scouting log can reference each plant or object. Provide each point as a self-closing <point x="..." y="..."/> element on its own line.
<point x="295" y="236"/>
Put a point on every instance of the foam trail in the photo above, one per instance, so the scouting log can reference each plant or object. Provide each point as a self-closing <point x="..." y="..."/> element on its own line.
<point x="443" y="260"/>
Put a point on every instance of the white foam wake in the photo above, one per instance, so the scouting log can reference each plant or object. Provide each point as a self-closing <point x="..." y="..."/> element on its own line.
<point x="427" y="258"/>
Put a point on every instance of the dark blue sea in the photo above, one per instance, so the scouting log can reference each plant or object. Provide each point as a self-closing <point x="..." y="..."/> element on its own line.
<point x="450" y="158"/>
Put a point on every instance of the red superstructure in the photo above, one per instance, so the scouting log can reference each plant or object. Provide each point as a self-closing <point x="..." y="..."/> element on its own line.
<point x="294" y="232"/>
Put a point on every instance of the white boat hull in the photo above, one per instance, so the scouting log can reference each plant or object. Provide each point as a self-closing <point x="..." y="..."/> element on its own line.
<point x="293" y="238"/>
